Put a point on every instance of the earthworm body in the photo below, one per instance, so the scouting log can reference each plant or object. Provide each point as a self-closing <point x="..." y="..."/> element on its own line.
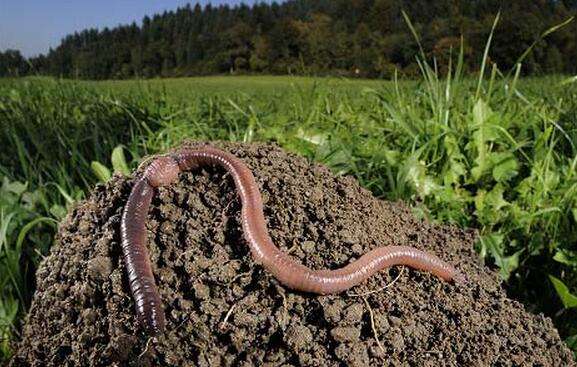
<point x="164" y="171"/>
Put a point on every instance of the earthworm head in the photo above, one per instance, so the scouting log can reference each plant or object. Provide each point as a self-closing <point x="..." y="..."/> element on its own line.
<point x="162" y="171"/>
<point x="184" y="160"/>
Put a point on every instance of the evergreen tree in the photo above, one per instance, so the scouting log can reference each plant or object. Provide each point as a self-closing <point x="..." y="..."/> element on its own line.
<point x="12" y="63"/>
<point x="342" y="37"/>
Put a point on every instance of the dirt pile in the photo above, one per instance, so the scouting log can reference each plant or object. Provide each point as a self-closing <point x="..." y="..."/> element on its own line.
<point x="222" y="309"/>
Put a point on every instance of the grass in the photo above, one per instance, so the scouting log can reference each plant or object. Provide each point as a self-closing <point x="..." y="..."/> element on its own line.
<point x="496" y="153"/>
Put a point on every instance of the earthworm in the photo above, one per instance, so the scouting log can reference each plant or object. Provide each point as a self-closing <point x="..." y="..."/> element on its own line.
<point x="165" y="169"/>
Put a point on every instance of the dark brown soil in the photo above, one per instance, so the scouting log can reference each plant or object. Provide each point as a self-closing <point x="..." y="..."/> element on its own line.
<point x="222" y="309"/>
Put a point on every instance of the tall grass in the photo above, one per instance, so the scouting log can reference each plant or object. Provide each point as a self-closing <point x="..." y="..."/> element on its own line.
<point x="497" y="153"/>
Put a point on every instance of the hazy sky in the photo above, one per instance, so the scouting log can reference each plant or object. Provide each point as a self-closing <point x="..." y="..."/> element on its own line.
<point x="33" y="26"/>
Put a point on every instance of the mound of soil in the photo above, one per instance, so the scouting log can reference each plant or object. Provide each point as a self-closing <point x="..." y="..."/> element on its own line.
<point x="222" y="309"/>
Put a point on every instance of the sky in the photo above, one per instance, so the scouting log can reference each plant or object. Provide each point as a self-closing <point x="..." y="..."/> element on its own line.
<point x="33" y="26"/>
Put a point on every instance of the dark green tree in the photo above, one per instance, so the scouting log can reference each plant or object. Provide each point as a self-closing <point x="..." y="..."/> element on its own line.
<point x="12" y="63"/>
<point x="366" y="38"/>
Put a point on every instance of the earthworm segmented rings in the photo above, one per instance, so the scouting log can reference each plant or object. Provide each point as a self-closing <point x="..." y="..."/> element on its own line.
<point x="164" y="171"/>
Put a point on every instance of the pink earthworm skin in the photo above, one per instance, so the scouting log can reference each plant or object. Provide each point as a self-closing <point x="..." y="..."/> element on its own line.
<point x="164" y="171"/>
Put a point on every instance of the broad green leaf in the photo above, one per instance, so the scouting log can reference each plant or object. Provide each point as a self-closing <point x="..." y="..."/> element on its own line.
<point x="484" y="132"/>
<point x="118" y="159"/>
<point x="525" y="187"/>
<point x="336" y="154"/>
<point x="505" y="166"/>
<point x="569" y="300"/>
<point x="316" y="139"/>
<point x="566" y="257"/>
<point x="455" y="171"/>
<point x="520" y="218"/>
<point x="480" y="201"/>
<point x="478" y="171"/>
<point x="492" y="244"/>
<point x="416" y="175"/>
<point x="489" y="205"/>
<point x="544" y="176"/>
<point x="481" y="112"/>
<point x="14" y="187"/>
<point x="392" y="157"/>
<point x="508" y="264"/>
<point x="495" y="198"/>
<point x="58" y="211"/>
<point x="455" y="168"/>
<point x="101" y="171"/>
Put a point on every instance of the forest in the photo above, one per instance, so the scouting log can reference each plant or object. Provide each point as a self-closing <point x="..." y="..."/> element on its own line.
<point x="360" y="38"/>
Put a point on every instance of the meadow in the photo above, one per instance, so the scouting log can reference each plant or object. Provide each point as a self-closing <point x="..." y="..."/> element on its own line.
<point x="497" y="153"/>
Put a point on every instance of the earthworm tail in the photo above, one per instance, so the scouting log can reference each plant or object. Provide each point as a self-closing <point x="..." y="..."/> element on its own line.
<point x="285" y="268"/>
<point x="140" y="277"/>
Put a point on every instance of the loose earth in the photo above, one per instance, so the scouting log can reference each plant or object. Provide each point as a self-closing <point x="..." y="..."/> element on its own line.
<point x="223" y="309"/>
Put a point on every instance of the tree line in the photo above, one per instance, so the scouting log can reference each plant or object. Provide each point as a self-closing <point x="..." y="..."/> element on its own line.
<point x="365" y="38"/>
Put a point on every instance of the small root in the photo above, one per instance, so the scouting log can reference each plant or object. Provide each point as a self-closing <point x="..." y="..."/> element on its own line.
<point x="238" y="276"/>
<point x="145" y="348"/>
<point x="224" y="216"/>
<point x="372" y="318"/>
<point x="292" y="248"/>
<point x="226" y="317"/>
<point x="186" y="318"/>
<point x="223" y="182"/>
<point x="380" y="289"/>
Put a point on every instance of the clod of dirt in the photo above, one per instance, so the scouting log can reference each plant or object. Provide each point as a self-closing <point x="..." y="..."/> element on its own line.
<point x="222" y="309"/>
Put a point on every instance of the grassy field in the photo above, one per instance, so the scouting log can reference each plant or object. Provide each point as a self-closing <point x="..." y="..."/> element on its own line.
<point x="497" y="153"/>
